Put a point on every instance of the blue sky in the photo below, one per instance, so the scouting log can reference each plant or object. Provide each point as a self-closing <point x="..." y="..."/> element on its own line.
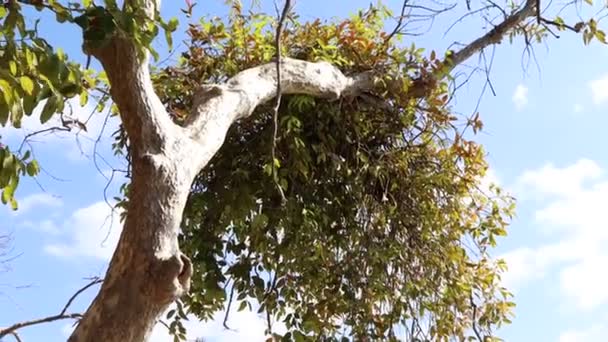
<point x="544" y="134"/>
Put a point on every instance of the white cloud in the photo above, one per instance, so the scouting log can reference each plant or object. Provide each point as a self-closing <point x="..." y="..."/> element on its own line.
<point x="572" y="213"/>
<point x="45" y="226"/>
<point x="244" y="326"/>
<point x="550" y="180"/>
<point x="520" y="96"/>
<point x="599" y="89"/>
<point x="92" y="231"/>
<point x="37" y="200"/>
<point x="596" y="333"/>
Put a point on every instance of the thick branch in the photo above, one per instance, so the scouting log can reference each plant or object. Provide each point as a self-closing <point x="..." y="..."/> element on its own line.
<point x="143" y="115"/>
<point x="248" y="89"/>
<point x="217" y="106"/>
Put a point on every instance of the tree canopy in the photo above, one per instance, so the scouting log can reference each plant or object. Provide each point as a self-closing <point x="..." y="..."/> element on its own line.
<point x="341" y="214"/>
<point x="384" y="223"/>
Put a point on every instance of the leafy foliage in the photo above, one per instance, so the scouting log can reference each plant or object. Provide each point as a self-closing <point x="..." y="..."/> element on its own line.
<point x="34" y="74"/>
<point x="385" y="229"/>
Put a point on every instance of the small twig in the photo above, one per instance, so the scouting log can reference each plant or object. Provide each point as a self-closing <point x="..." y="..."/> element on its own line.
<point x="94" y="281"/>
<point x="399" y="24"/>
<point x="225" y="322"/>
<point x="164" y="324"/>
<point x="277" y="104"/>
<point x="16" y="336"/>
<point x="560" y="25"/>
<point x="46" y="130"/>
<point x="268" y="322"/>
<point x="475" y="330"/>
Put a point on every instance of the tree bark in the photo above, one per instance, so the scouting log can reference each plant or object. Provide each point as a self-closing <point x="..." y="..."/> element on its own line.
<point x="147" y="271"/>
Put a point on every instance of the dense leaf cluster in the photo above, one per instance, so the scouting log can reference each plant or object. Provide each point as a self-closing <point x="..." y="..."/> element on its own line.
<point x="385" y="234"/>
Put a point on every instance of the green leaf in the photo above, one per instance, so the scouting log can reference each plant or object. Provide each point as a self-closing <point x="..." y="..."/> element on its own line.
<point x="601" y="36"/>
<point x="50" y="107"/>
<point x="16" y="114"/>
<point x="31" y="59"/>
<point x="5" y="197"/>
<point x="6" y="90"/>
<point x="258" y="282"/>
<point x="170" y="313"/>
<point x="259" y="222"/>
<point x="29" y="103"/>
<point x="9" y="192"/>
<point x="169" y="39"/>
<point x="70" y="90"/>
<point x="84" y="98"/>
<point x="12" y="67"/>
<point x="242" y="306"/>
<point x="4" y="111"/>
<point x="14" y="204"/>
<point x="172" y="24"/>
<point x="26" y="84"/>
<point x="32" y="168"/>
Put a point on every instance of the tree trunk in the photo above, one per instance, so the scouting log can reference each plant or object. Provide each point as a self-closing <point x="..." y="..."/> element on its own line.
<point x="147" y="271"/>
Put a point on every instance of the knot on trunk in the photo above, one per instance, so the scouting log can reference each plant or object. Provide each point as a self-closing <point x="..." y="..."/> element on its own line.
<point x="172" y="278"/>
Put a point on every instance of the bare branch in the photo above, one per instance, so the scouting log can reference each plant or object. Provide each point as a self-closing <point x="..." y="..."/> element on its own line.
<point x="277" y="103"/>
<point x="227" y="314"/>
<point x="494" y="36"/>
<point x="94" y="281"/>
<point x="16" y="336"/>
<point x="475" y="330"/>
<point x="11" y="330"/>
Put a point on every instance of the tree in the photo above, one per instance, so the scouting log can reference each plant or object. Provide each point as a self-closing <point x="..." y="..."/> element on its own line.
<point x="405" y="166"/>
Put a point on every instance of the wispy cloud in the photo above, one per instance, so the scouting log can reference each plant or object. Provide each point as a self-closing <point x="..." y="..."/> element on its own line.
<point x="34" y="201"/>
<point x="596" y="333"/>
<point x="570" y="204"/>
<point x="92" y="231"/>
<point x="45" y="226"/>
<point x="599" y="89"/>
<point x="520" y="96"/>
